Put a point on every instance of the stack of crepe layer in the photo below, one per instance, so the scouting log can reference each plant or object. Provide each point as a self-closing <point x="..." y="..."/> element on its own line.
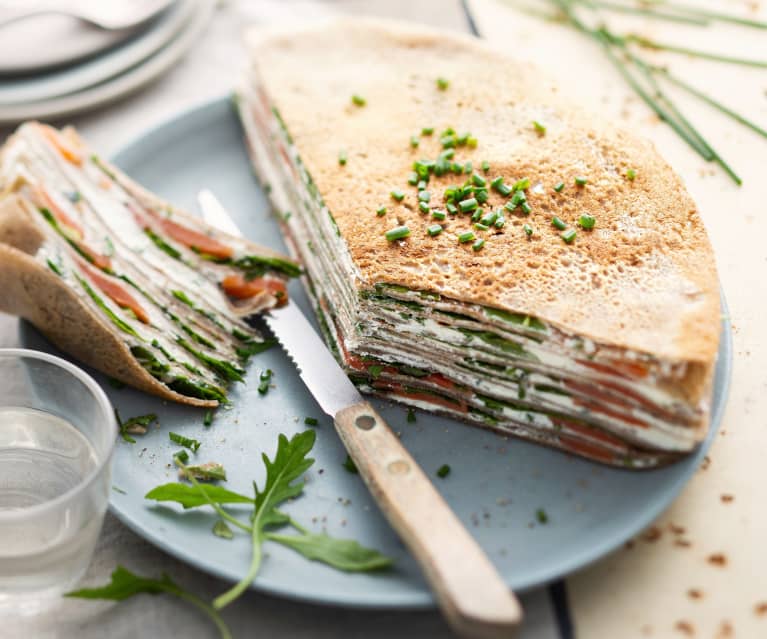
<point x="122" y="280"/>
<point x="623" y="378"/>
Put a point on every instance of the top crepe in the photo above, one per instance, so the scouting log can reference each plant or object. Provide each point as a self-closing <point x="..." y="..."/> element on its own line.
<point x="644" y="279"/>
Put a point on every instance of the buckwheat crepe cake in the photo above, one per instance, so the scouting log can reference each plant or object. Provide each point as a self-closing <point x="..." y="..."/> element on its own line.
<point x="570" y="296"/>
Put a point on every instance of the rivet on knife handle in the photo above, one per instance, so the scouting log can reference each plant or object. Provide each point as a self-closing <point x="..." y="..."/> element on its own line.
<point x="471" y="594"/>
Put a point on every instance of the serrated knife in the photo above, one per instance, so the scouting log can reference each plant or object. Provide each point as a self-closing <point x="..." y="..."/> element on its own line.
<point x="471" y="594"/>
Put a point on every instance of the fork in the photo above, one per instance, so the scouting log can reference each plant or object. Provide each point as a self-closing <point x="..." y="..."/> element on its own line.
<point x="111" y="16"/>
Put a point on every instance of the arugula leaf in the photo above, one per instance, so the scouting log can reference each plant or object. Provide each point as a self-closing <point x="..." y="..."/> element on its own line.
<point x="188" y="442"/>
<point x="282" y="483"/>
<point x="206" y="472"/>
<point x="220" y="529"/>
<point x="344" y="554"/>
<point x="134" y="425"/>
<point x="349" y="465"/>
<point x="194" y="496"/>
<point x="125" y="584"/>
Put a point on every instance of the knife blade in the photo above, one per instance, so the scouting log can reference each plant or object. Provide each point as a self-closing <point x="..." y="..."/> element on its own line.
<point x="471" y="594"/>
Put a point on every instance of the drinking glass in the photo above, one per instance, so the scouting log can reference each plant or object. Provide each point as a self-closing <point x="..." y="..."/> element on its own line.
<point x="57" y="436"/>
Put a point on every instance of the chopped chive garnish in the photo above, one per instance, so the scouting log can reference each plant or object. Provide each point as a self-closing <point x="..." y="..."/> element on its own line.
<point x="478" y="180"/>
<point x="411" y="415"/>
<point x="457" y="168"/>
<point x="414" y="141"/>
<point x="587" y="221"/>
<point x="482" y="195"/>
<point x="424" y="196"/>
<point x="527" y="229"/>
<point x="421" y="167"/>
<point x="434" y="229"/>
<point x="265" y="377"/>
<point x="477" y="215"/>
<point x="467" y="205"/>
<point x="208" y="419"/>
<point x="421" y="185"/>
<point x="478" y="244"/>
<point x="526" y="208"/>
<point x="500" y="222"/>
<point x="559" y="186"/>
<point x="423" y="207"/>
<point x="447" y="142"/>
<point x="350" y="466"/>
<point x="443" y="471"/>
<point x="558" y="223"/>
<point x="472" y="142"/>
<point x="448" y="131"/>
<point x="397" y="233"/>
<point x="182" y="456"/>
<point x="541" y="516"/>
<point x="451" y="208"/>
<point x="413" y="179"/>
<point x="462" y="139"/>
<point x="499" y="186"/>
<point x="569" y="236"/>
<point x="518" y="198"/>
<point x="447" y="154"/>
<point x="481" y="227"/>
<point x="187" y="442"/>
<point x="521" y="185"/>
<point x="467" y="168"/>
<point x="427" y="130"/>
<point x="485" y="166"/>
<point x="581" y="181"/>
<point x="342" y="157"/>
<point x="380" y="212"/>
<point x="311" y="421"/>
<point x="359" y="100"/>
<point x="488" y="219"/>
<point x="539" y="128"/>
<point x="438" y="215"/>
<point x="442" y="84"/>
<point x="398" y="195"/>
<point x="468" y="236"/>
<point x="630" y="174"/>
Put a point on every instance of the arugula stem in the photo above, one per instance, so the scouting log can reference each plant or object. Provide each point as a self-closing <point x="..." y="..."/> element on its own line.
<point x="208" y="610"/>
<point x="255" y="562"/>
<point x="647" y="43"/>
<point x="298" y="527"/>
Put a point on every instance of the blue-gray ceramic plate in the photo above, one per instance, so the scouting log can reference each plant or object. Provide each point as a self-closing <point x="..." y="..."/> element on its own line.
<point x="496" y="484"/>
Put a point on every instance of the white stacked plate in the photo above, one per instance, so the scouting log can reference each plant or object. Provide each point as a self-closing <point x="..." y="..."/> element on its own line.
<point x="53" y="66"/>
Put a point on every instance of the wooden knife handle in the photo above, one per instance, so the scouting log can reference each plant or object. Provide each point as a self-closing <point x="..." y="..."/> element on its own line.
<point x="470" y="593"/>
